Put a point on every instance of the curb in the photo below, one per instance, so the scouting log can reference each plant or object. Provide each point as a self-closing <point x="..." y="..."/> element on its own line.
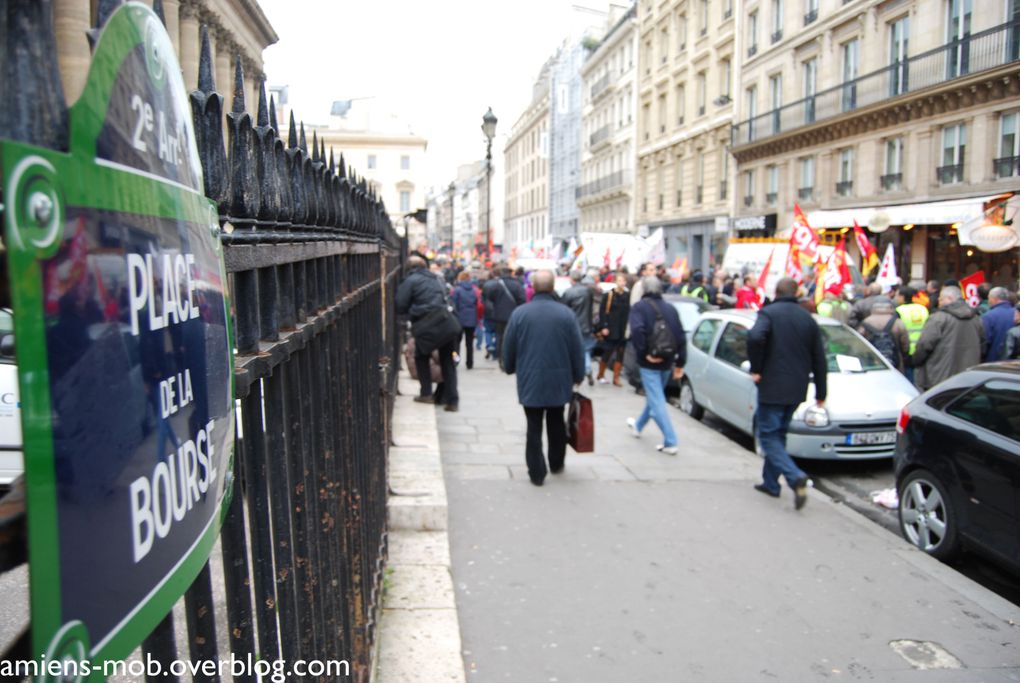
<point x="419" y="630"/>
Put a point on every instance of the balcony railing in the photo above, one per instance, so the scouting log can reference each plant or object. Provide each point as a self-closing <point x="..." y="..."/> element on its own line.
<point x="805" y="193"/>
<point x="891" y="181"/>
<point x="845" y="188"/>
<point x="985" y="50"/>
<point x="600" y="86"/>
<point x="777" y="36"/>
<point x="722" y="189"/>
<point x="810" y="17"/>
<point x="1007" y="167"/>
<point x="771" y="198"/>
<point x="752" y="51"/>
<point x="613" y="181"/>
<point x="950" y="174"/>
<point x="748" y="200"/>
<point x="601" y="135"/>
<point x="699" y="194"/>
<point x="727" y="14"/>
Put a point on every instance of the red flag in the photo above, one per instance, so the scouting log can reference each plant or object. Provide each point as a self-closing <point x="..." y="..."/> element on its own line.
<point x="764" y="276"/>
<point x="836" y="272"/>
<point x="605" y="258"/>
<point x="969" y="285"/>
<point x="619" y="259"/>
<point x="793" y="266"/>
<point x="803" y="237"/>
<point x="869" y="256"/>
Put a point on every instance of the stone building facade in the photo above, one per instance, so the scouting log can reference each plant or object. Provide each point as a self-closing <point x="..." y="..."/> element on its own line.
<point x="526" y="164"/>
<point x="605" y="196"/>
<point x="902" y="114"/>
<point x="687" y="60"/>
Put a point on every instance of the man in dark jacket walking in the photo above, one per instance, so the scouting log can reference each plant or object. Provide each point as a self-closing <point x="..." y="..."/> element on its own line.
<point x="420" y="294"/>
<point x="997" y="321"/>
<point x="465" y="306"/>
<point x="579" y="299"/>
<point x="953" y="339"/>
<point x="543" y="347"/>
<point x="785" y="347"/>
<point x="504" y="293"/>
<point x="655" y="366"/>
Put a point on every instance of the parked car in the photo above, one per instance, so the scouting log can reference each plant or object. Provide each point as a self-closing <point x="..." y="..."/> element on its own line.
<point x="689" y="308"/>
<point x="11" y="463"/>
<point x="958" y="465"/>
<point x="865" y="395"/>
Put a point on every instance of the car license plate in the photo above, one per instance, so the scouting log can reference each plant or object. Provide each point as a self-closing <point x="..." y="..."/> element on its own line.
<point x="870" y="438"/>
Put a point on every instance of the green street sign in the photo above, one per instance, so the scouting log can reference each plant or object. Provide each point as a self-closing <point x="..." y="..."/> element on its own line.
<point x="124" y="353"/>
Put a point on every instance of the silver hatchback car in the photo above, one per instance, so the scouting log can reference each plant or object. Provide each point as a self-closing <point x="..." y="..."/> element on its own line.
<point x="865" y="392"/>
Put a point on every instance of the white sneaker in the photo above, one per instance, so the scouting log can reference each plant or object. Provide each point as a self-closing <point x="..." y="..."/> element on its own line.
<point x="668" y="450"/>
<point x="632" y="425"/>
<point x="603" y="380"/>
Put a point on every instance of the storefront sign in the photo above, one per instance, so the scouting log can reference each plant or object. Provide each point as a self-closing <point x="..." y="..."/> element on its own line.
<point x="123" y="349"/>
<point x="765" y="223"/>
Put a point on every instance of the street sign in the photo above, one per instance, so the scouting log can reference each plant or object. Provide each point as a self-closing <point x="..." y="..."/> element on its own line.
<point x="124" y="351"/>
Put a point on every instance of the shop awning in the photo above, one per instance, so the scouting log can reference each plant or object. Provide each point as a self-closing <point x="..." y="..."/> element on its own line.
<point x="927" y="213"/>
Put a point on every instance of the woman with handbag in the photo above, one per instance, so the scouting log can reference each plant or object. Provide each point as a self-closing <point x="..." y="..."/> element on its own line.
<point x="612" y="329"/>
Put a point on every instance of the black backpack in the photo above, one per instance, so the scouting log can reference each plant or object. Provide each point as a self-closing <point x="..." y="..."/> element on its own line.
<point x="884" y="341"/>
<point x="661" y="342"/>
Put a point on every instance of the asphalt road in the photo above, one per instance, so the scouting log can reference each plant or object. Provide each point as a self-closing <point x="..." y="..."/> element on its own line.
<point x="853" y="482"/>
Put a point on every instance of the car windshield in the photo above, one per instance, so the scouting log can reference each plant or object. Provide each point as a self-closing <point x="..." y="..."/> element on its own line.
<point x="842" y="346"/>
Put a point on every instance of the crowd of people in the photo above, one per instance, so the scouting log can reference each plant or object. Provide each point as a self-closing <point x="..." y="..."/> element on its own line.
<point x="928" y="331"/>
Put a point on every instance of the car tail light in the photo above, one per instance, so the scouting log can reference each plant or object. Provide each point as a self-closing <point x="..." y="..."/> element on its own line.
<point x="901" y="424"/>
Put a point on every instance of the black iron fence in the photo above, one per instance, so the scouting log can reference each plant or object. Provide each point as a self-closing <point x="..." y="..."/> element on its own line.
<point x="313" y="264"/>
<point x="957" y="58"/>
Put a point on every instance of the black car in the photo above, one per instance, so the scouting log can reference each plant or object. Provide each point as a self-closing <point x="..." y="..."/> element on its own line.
<point x="958" y="465"/>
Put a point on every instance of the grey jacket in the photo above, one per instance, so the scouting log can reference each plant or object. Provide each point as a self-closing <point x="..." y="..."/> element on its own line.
<point x="579" y="298"/>
<point x="952" y="340"/>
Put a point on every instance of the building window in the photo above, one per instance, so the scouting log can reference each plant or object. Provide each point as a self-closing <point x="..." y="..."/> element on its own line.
<point x="648" y="57"/>
<point x="724" y="173"/>
<point x="681" y="32"/>
<point x="810" y="11"/>
<point x="699" y="190"/>
<point x="892" y="179"/>
<point x="680" y="105"/>
<point x="845" y="185"/>
<point x="1008" y="163"/>
<point x="810" y="88"/>
<point x="405" y="201"/>
<point x="371" y="161"/>
<point x="725" y="81"/>
<point x="958" y="29"/>
<point x="664" y="45"/>
<point x="702" y="93"/>
<point x="679" y="182"/>
<point x="647" y="120"/>
<point x="851" y="63"/>
<point x="777" y="21"/>
<point x="752" y="112"/>
<point x="727" y="9"/>
<point x="807" y="178"/>
<point x="748" y="188"/>
<point x="703" y="18"/>
<point x="776" y="100"/>
<point x="772" y="195"/>
<point x="405" y="163"/>
<point x="954" y="147"/>
<point x="752" y="34"/>
<point x="899" y="32"/>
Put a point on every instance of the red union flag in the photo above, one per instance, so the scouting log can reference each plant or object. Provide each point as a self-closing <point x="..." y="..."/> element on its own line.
<point x="803" y="237"/>
<point x="837" y="273"/>
<point x="793" y="267"/>
<point x="969" y="285"/>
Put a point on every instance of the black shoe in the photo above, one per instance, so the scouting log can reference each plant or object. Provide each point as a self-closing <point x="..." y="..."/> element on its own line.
<point x="424" y="399"/>
<point x="767" y="492"/>
<point x="556" y="470"/>
<point x="800" y="493"/>
<point x="537" y="481"/>
<point x="591" y="380"/>
<point x="451" y="408"/>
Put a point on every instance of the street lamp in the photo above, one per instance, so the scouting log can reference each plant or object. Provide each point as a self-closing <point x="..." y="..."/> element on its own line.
<point x="489" y="129"/>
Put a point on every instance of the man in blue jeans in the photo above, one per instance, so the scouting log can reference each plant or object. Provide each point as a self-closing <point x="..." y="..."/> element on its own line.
<point x="658" y="359"/>
<point x="785" y="348"/>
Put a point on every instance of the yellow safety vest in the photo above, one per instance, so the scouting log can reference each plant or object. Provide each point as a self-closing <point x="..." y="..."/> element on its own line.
<point x="914" y="316"/>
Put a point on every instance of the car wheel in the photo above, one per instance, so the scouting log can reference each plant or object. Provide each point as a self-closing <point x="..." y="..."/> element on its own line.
<point x="687" y="402"/>
<point x="927" y="518"/>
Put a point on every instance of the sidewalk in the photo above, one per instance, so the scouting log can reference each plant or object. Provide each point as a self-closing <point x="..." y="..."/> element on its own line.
<point x="637" y="566"/>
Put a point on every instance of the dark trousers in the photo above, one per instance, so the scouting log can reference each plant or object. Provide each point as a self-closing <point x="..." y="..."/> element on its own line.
<point x="421" y="363"/>
<point x="500" y="331"/>
<point x="556" y="430"/>
<point x="773" y="423"/>
<point x="469" y="335"/>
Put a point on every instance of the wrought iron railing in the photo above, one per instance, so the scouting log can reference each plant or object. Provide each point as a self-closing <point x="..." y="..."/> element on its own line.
<point x="313" y="264"/>
<point x="810" y="17"/>
<point x="771" y="197"/>
<point x="613" y="181"/>
<point x="601" y="135"/>
<point x="600" y="86"/>
<point x="978" y="52"/>
<point x="844" y="188"/>
<point x="805" y="193"/>
<point x="1006" y="167"/>
<point x="891" y="181"/>
<point x="950" y="173"/>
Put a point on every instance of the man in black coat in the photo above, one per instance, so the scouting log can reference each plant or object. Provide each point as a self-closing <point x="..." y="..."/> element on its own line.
<point x="504" y="293"/>
<point x="420" y="294"/>
<point x="543" y="347"/>
<point x="580" y="299"/>
<point x="785" y="346"/>
<point x="656" y="368"/>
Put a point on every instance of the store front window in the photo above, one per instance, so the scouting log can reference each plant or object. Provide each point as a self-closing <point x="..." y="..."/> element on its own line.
<point x="949" y="260"/>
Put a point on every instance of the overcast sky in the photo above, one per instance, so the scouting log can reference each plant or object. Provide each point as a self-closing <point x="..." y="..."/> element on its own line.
<point x="438" y="64"/>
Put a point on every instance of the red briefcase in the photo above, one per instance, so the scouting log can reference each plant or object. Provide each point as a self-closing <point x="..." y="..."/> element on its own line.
<point x="581" y="424"/>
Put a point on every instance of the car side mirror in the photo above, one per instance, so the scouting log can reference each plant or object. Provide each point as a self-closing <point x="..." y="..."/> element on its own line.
<point x="7" y="346"/>
<point x="746" y="366"/>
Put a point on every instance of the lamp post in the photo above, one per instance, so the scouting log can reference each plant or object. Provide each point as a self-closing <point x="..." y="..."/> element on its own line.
<point x="489" y="129"/>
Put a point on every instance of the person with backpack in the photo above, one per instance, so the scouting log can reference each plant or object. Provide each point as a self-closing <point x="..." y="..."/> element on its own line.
<point x="502" y="295"/>
<point x="661" y="348"/>
<point x="465" y="306"/>
<point x="887" y="333"/>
